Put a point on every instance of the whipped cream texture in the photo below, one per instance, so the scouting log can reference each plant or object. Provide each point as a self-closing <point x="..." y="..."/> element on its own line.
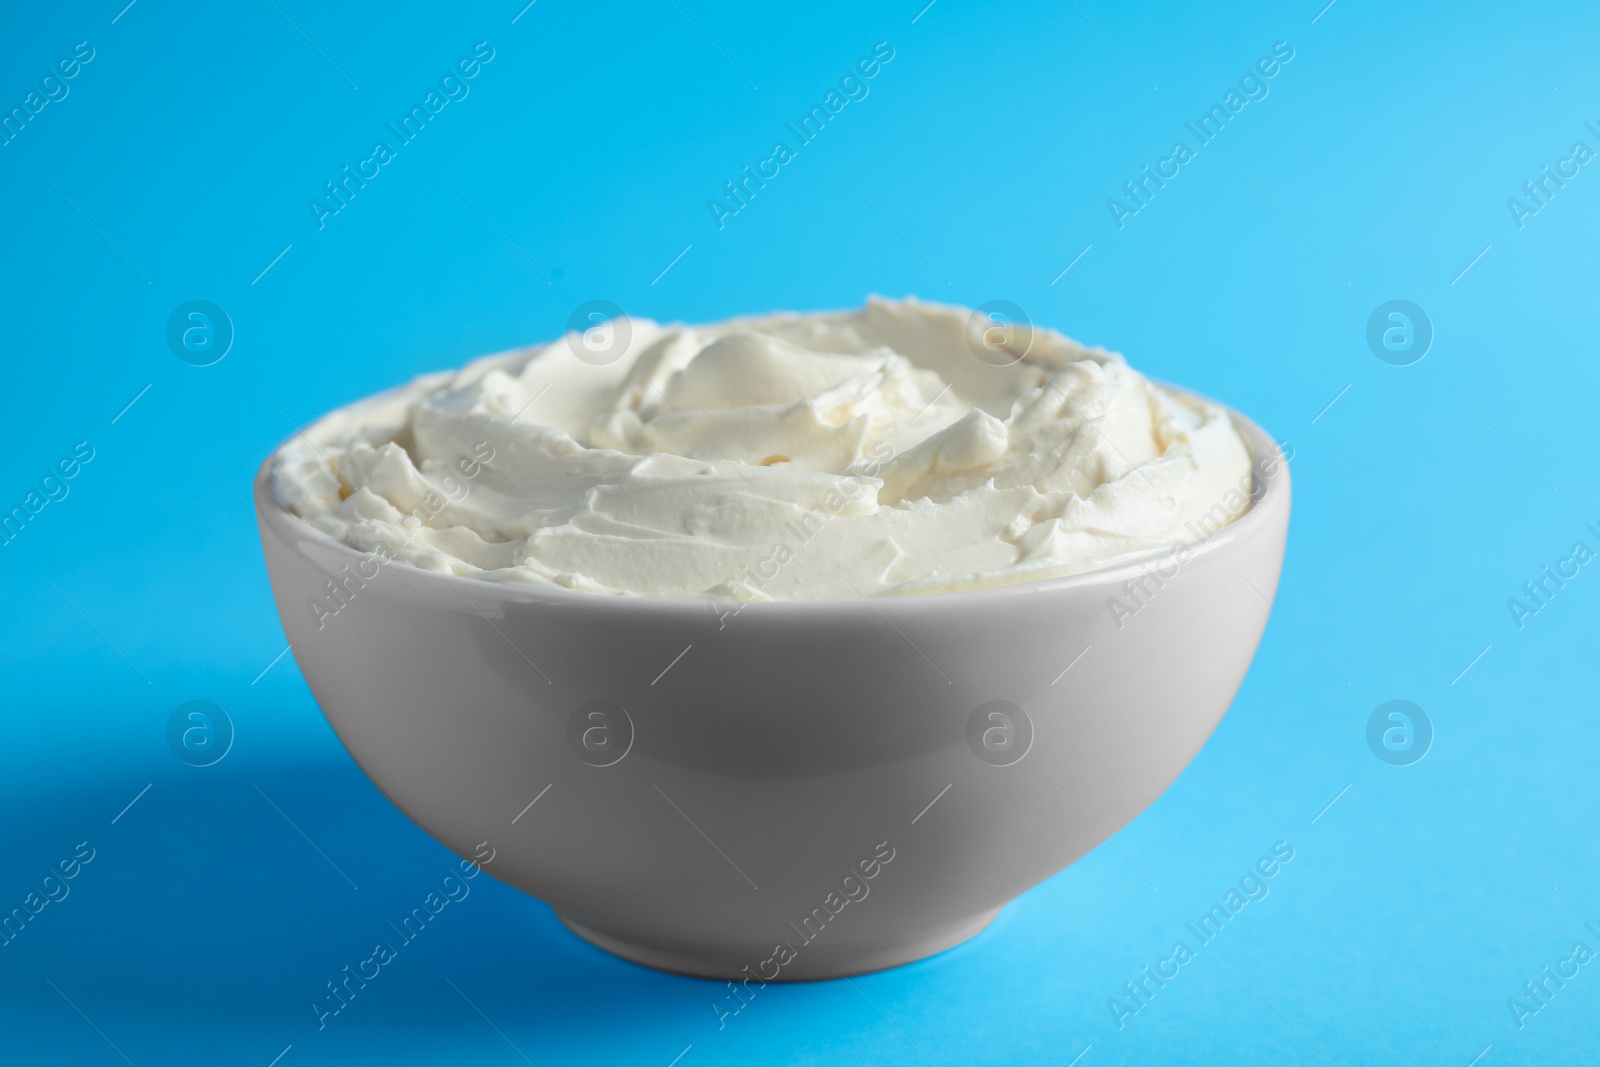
<point x="902" y="448"/>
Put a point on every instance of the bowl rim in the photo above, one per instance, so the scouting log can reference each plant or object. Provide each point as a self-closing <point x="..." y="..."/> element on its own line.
<point x="1273" y="488"/>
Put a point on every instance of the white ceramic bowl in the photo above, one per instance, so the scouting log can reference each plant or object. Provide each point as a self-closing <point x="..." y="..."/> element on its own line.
<point x="802" y="789"/>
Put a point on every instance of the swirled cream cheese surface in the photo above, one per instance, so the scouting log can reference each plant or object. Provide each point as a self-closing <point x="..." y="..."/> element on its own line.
<point x="902" y="448"/>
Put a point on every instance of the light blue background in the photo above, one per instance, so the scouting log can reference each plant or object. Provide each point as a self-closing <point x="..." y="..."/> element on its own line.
<point x="1381" y="163"/>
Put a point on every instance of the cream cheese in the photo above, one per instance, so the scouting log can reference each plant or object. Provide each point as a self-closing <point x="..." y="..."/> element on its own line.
<point x="782" y="457"/>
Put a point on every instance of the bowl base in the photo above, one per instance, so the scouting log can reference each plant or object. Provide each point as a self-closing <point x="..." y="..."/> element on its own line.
<point x="810" y="964"/>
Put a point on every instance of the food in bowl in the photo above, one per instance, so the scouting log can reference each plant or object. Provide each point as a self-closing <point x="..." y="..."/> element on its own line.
<point x="901" y="448"/>
<point x="818" y="783"/>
